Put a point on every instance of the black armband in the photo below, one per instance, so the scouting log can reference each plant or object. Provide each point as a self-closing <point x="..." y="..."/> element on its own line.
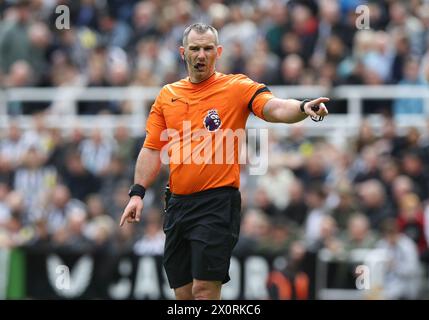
<point x="137" y="190"/>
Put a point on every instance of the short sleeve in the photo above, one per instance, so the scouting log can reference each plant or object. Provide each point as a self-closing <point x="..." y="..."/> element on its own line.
<point x="255" y="95"/>
<point x="155" y="125"/>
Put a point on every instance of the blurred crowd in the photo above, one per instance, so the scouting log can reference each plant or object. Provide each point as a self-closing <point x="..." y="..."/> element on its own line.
<point x="277" y="42"/>
<point x="67" y="188"/>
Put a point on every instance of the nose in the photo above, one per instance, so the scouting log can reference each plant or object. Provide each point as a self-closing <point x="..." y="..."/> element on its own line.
<point x="201" y="54"/>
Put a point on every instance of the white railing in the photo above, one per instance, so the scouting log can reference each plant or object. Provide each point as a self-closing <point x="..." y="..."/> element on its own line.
<point x="64" y="110"/>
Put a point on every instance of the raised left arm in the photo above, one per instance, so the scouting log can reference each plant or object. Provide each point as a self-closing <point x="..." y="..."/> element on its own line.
<point x="289" y="111"/>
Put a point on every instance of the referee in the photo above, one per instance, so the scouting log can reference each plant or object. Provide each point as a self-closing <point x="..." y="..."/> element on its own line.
<point x="202" y="220"/>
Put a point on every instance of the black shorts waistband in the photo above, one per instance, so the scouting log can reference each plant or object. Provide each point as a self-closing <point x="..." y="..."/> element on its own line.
<point x="203" y="193"/>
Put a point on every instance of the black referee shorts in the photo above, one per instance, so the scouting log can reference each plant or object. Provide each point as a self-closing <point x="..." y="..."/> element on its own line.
<point x="201" y="231"/>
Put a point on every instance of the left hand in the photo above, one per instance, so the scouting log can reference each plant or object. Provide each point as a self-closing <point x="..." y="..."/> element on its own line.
<point x="316" y="108"/>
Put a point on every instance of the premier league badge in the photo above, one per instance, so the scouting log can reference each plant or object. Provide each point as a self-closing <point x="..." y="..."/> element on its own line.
<point x="212" y="120"/>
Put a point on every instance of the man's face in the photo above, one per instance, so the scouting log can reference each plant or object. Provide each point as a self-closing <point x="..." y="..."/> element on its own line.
<point x="200" y="54"/>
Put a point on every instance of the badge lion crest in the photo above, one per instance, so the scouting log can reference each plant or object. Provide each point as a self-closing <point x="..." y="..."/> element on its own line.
<point x="212" y="121"/>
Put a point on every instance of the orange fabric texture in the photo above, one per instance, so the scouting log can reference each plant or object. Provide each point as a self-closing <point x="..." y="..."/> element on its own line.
<point x="198" y="117"/>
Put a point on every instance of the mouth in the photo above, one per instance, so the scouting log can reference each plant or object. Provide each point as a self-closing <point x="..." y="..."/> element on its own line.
<point x="199" y="66"/>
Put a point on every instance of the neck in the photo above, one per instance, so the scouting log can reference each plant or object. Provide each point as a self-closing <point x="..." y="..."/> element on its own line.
<point x="196" y="79"/>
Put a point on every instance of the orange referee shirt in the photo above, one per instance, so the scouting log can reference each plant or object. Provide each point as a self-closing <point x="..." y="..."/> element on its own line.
<point x="199" y="117"/>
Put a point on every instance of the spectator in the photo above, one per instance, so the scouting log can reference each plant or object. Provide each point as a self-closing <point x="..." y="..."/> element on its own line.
<point x="273" y="184"/>
<point x="21" y="74"/>
<point x="411" y="222"/>
<point x="96" y="153"/>
<point x="152" y="242"/>
<point x="100" y="226"/>
<point x="345" y="207"/>
<point x="403" y="276"/>
<point x="80" y="181"/>
<point x="58" y="208"/>
<point x="71" y="237"/>
<point x="359" y="234"/>
<point x="373" y="202"/>
<point x="411" y="77"/>
<point x="296" y="210"/>
<point x="412" y="166"/>
<point x="315" y="199"/>
<point x="255" y="230"/>
<point x="14" y="40"/>
<point x="113" y="32"/>
<point x="34" y="180"/>
<point x="13" y="147"/>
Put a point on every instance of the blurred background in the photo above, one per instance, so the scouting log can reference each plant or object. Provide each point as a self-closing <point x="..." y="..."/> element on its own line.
<point x="342" y="212"/>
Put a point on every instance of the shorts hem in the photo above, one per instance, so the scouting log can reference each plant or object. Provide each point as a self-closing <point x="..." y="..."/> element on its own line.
<point x="224" y="279"/>
<point x="177" y="285"/>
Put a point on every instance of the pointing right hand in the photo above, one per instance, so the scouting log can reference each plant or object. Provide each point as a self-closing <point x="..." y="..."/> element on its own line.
<point x="133" y="210"/>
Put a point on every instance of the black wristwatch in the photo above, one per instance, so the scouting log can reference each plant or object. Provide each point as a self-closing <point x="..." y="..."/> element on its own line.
<point x="137" y="190"/>
<point x="301" y="106"/>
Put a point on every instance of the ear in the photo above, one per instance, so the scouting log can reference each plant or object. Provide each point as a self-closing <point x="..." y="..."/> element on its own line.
<point x="219" y="50"/>
<point x="182" y="52"/>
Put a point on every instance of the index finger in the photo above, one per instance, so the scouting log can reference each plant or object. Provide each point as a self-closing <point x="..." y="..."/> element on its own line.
<point x="124" y="216"/>
<point x="319" y="100"/>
